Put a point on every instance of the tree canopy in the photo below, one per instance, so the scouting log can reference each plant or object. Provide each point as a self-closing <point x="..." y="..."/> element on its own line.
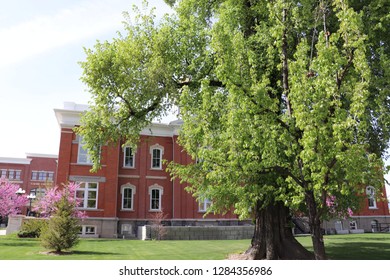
<point x="282" y="101"/>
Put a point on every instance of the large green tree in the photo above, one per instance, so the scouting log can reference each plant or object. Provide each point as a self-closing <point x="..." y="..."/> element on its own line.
<point x="285" y="104"/>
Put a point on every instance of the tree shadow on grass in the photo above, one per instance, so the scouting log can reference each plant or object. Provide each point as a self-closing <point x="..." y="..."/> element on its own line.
<point x="353" y="239"/>
<point x="358" y="251"/>
<point x="18" y="244"/>
<point x="102" y="240"/>
<point x="94" y="253"/>
<point x="79" y="253"/>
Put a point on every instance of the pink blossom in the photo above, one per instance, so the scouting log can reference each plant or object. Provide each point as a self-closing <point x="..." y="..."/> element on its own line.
<point x="330" y="200"/>
<point x="46" y="206"/>
<point x="10" y="202"/>
<point x="334" y="208"/>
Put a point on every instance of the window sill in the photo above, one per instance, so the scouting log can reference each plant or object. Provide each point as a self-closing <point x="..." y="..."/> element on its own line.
<point x="83" y="163"/>
<point x="155" y="210"/>
<point x="90" y="209"/>
<point x="127" y="210"/>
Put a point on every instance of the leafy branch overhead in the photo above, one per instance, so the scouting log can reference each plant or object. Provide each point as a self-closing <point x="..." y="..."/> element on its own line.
<point x="286" y="103"/>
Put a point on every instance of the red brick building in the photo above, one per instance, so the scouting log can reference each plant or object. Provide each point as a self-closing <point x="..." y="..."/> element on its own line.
<point x="133" y="185"/>
<point x="33" y="174"/>
<point x="373" y="216"/>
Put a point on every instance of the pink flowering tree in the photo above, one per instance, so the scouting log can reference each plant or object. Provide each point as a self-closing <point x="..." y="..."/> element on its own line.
<point x="10" y="202"/>
<point x="337" y="207"/>
<point x="47" y="205"/>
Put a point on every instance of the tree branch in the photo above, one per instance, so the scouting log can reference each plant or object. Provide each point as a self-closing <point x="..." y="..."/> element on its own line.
<point x="344" y="71"/>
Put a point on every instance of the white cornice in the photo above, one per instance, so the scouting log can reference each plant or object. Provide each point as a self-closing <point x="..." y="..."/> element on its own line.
<point x="67" y="118"/>
<point x="70" y="115"/>
<point x="15" y="160"/>
<point x="32" y="155"/>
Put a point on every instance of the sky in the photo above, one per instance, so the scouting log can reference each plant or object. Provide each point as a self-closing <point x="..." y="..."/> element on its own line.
<point x="42" y="42"/>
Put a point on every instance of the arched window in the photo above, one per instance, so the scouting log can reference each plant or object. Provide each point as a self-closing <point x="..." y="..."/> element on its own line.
<point x="128" y="192"/>
<point x="128" y="157"/>
<point x="156" y="153"/>
<point x="155" y="193"/>
<point x="370" y="192"/>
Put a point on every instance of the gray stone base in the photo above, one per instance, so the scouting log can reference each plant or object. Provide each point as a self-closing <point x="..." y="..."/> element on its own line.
<point x="198" y="232"/>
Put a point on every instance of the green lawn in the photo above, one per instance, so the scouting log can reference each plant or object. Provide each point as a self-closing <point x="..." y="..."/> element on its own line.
<point x="339" y="247"/>
<point x="369" y="246"/>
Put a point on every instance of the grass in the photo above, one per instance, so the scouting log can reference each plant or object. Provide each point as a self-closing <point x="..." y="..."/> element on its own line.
<point x="13" y="248"/>
<point x="338" y="247"/>
<point x="369" y="246"/>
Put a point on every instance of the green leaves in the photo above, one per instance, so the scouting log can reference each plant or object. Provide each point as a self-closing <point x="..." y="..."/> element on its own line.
<point x="278" y="99"/>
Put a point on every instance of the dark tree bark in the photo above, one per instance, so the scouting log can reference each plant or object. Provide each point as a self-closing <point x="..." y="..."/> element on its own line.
<point x="315" y="227"/>
<point x="273" y="238"/>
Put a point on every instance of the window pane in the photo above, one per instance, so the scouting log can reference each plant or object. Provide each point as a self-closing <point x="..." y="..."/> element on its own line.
<point x="50" y="176"/>
<point x="89" y="230"/>
<point x="127" y="198"/>
<point x="156" y="158"/>
<point x="82" y="156"/>
<point x="92" y="195"/>
<point x="80" y="193"/>
<point x="17" y="175"/>
<point x="129" y="158"/>
<point x="155" y="199"/>
<point x="91" y="204"/>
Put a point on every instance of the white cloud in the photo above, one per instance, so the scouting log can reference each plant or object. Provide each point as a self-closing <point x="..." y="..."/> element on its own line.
<point x="70" y="25"/>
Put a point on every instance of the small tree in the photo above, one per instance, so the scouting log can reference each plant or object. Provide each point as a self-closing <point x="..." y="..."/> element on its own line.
<point x="10" y="202"/>
<point x="63" y="230"/>
<point x="158" y="228"/>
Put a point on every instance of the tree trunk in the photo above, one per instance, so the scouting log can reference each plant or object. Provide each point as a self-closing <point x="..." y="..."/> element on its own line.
<point x="315" y="227"/>
<point x="273" y="238"/>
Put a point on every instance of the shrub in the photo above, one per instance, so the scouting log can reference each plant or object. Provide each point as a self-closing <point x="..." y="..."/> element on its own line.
<point x="27" y="234"/>
<point x="63" y="230"/>
<point x="32" y="228"/>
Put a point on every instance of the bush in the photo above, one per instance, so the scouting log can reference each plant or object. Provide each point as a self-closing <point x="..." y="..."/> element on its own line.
<point x="32" y="228"/>
<point x="27" y="234"/>
<point x="63" y="229"/>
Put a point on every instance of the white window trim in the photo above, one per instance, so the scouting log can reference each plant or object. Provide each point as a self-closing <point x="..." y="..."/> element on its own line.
<point x="161" y="192"/>
<point x="79" y="149"/>
<point x="124" y="157"/>
<point x="204" y="205"/>
<point x="11" y="174"/>
<point x="83" y="231"/>
<point x="370" y="192"/>
<point x="156" y="147"/>
<point x="85" y="199"/>
<point x="133" y="190"/>
<point x="18" y="174"/>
